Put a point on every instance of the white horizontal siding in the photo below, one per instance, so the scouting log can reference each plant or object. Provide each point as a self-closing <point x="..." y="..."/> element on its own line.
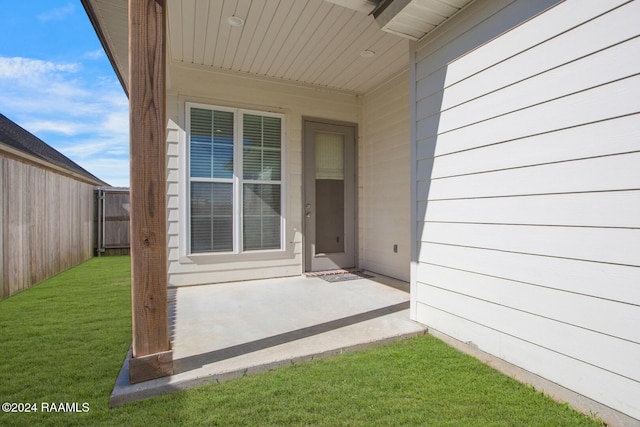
<point x="604" y="351"/>
<point x="209" y="271"/>
<point x="173" y="188"/>
<point x="562" y="274"/>
<point x="484" y="21"/>
<point x="194" y="84"/>
<point x="527" y="189"/>
<point x="621" y="135"/>
<point x="590" y="71"/>
<point x="591" y="313"/>
<point x="518" y="57"/>
<point x="612" y="100"/>
<point x="616" y="172"/>
<point x="384" y="197"/>
<point x="523" y="39"/>
<point x="619" y="209"/>
<point x="611" y="245"/>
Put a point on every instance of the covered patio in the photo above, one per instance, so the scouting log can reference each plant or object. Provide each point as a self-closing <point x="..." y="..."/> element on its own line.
<point x="185" y="328"/>
<point x="224" y="331"/>
<point x="472" y="161"/>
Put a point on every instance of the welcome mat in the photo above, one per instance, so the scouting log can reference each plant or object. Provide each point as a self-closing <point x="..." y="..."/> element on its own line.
<point x="341" y="275"/>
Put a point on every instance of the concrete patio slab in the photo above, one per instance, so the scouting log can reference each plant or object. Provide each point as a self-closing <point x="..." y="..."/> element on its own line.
<point x="225" y="331"/>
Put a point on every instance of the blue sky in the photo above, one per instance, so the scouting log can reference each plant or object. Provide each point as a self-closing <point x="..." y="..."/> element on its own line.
<point x="57" y="83"/>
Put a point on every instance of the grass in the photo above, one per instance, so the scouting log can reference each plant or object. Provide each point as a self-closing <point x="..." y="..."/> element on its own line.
<point x="65" y="339"/>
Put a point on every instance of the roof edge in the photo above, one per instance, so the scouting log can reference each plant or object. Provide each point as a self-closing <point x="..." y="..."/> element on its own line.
<point x="93" y="18"/>
<point x="35" y="160"/>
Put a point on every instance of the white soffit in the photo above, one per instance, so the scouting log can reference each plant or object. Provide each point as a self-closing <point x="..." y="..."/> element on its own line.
<point x="414" y="19"/>
<point x="313" y="42"/>
<point x="111" y="18"/>
<point x="362" y="6"/>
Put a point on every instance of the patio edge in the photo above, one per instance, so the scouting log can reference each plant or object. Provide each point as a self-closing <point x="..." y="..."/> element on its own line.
<point x="123" y="392"/>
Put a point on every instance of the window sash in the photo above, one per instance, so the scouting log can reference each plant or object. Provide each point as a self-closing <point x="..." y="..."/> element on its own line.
<point x="211" y="216"/>
<point x="261" y="216"/>
<point x="261" y="147"/>
<point x="247" y="165"/>
<point x="211" y="143"/>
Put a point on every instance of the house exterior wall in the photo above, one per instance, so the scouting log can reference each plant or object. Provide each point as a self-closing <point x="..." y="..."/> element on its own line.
<point x="46" y="224"/>
<point x="194" y="84"/>
<point x="525" y="184"/>
<point x="384" y="179"/>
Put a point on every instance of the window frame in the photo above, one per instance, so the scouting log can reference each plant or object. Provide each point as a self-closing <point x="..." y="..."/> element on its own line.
<point x="237" y="182"/>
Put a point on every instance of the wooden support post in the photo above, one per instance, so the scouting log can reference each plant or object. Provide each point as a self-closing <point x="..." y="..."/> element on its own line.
<point x="152" y="357"/>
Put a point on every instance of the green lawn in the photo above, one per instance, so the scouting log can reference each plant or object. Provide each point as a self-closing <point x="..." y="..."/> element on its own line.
<point x="65" y="339"/>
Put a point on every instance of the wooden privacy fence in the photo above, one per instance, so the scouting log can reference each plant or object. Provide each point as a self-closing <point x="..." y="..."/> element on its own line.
<point x="45" y="224"/>
<point x="112" y="221"/>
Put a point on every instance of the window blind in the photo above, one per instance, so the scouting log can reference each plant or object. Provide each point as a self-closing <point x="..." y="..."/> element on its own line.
<point x="211" y="217"/>
<point x="329" y="156"/>
<point x="214" y="172"/>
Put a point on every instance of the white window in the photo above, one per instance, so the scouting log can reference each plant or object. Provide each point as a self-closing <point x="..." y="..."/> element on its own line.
<point x="235" y="182"/>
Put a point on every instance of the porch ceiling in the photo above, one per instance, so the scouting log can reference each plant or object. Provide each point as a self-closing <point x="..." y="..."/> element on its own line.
<point x="310" y="42"/>
<point x="313" y="42"/>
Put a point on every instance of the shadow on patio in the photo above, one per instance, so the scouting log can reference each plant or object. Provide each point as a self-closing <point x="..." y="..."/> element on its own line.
<point x="224" y="331"/>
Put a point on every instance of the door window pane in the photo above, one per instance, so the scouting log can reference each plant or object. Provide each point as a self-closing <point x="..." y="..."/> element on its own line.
<point x="329" y="156"/>
<point x="329" y="193"/>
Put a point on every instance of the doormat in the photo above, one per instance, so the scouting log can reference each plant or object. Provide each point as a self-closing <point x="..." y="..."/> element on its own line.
<point x="344" y="276"/>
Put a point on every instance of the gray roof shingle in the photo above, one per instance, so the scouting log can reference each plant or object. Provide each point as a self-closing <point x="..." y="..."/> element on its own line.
<point x="17" y="137"/>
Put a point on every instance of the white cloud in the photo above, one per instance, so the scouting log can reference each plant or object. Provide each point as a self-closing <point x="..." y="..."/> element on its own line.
<point x="83" y="116"/>
<point x="21" y="68"/>
<point x="118" y="120"/>
<point x="58" y="13"/>
<point x="94" y="54"/>
<point x="90" y="146"/>
<point x="61" y="127"/>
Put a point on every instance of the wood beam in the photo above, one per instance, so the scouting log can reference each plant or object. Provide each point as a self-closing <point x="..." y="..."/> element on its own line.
<point x="151" y="356"/>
